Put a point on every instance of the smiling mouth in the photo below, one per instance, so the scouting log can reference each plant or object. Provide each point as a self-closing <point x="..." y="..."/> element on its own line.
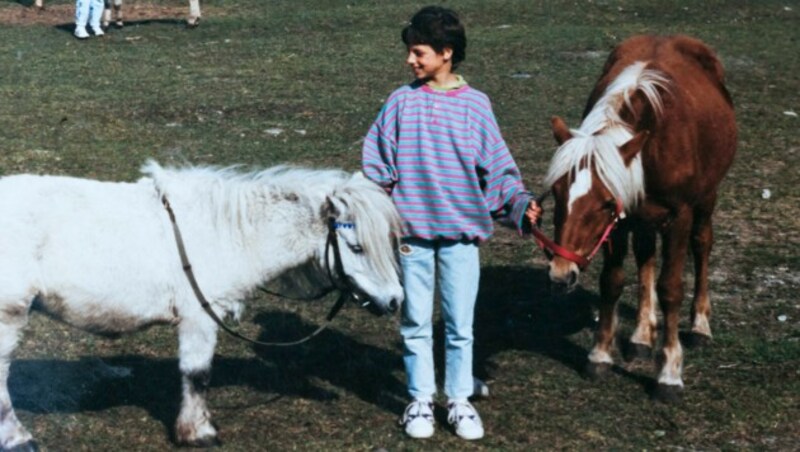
<point x="420" y="73"/>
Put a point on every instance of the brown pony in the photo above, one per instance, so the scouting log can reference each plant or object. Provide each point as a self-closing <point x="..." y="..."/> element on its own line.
<point x="657" y="137"/>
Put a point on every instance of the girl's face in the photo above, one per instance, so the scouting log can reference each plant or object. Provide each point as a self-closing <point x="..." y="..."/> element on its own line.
<point x="427" y="64"/>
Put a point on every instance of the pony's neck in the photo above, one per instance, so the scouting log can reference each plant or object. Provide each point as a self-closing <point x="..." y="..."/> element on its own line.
<point x="228" y="218"/>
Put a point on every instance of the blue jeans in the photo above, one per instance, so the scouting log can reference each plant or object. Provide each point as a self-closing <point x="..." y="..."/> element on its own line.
<point x="457" y="265"/>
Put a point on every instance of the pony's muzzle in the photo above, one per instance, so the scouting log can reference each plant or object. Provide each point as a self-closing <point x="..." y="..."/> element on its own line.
<point x="563" y="275"/>
<point x="376" y="309"/>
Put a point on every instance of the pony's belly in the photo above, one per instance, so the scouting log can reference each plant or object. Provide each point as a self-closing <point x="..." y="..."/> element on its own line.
<point x="103" y="318"/>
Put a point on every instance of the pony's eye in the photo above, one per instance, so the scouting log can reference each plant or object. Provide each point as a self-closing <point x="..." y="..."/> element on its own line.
<point x="357" y="249"/>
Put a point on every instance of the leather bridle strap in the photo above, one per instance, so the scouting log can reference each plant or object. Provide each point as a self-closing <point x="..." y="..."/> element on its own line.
<point x="187" y="269"/>
<point x="552" y="248"/>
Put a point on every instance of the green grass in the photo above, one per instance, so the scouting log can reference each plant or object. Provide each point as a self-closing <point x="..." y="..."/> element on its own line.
<point x="319" y="71"/>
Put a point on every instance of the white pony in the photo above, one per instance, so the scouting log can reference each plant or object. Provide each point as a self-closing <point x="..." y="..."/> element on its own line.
<point x="115" y="7"/>
<point x="102" y="256"/>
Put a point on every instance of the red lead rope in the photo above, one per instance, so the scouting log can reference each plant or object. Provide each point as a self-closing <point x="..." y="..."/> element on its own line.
<point x="551" y="248"/>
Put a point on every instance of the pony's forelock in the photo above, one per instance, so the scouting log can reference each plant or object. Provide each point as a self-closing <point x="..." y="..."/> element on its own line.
<point x="377" y="221"/>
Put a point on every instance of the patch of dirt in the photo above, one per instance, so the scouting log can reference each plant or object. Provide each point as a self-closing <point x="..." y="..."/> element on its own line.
<point x="64" y="14"/>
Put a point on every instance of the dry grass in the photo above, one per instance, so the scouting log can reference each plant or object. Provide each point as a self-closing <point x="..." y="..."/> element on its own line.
<point x="64" y="14"/>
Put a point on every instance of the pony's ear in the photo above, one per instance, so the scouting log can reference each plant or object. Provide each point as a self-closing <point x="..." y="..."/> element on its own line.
<point x="330" y="210"/>
<point x="334" y="207"/>
<point x="560" y="130"/>
<point x="630" y="149"/>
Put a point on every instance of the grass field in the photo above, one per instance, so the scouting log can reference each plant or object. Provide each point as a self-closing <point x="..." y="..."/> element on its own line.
<point x="262" y="82"/>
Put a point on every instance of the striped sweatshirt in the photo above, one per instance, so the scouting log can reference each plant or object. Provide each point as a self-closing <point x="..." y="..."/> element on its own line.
<point x="441" y="157"/>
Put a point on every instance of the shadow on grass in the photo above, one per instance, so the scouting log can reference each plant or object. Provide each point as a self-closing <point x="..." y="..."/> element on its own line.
<point x="516" y="311"/>
<point x="70" y="27"/>
<point x="336" y="358"/>
<point x="92" y="384"/>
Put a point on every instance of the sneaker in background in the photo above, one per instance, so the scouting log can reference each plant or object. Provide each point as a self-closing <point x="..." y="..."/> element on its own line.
<point x="81" y="33"/>
<point x="480" y="388"/>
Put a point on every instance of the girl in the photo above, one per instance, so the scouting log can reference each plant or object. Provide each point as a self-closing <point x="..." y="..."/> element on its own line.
<point x="437" y="149"/>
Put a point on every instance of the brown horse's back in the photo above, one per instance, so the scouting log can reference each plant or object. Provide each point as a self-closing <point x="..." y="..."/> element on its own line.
<point x="693" y="142"/>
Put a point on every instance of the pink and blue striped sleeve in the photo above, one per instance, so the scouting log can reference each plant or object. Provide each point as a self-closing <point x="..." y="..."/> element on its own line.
<point x="378" y="155"/>
<point x="505" y="192"/>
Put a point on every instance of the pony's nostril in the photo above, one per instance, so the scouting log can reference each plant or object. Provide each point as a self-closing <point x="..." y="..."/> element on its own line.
<point x="572" y="278"/>
<point x="394" y="305"/>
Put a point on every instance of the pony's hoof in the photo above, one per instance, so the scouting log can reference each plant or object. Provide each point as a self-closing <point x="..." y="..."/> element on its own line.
<point x="596" y="371"/>
<point x="29" y="446"/>
<point x="638" y="352"/>
<point x="202" y="443"/>
<point x="193" y="22"/>
<point x="667" y="393"/>
<point x="697" y="340"/>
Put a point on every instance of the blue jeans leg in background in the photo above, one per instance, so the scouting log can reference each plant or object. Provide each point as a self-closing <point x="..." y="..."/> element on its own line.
<point x="88" y="12"/>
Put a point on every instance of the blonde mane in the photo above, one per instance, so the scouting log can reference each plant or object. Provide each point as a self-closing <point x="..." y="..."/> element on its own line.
<point x="603" y="131"/>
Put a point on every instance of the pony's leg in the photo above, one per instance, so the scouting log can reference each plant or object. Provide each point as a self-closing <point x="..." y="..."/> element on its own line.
<point x="670" y="296"/>
<point x="702" y="240"/>
<point x="13" y="436"/>
<point x="118" y="13"/>
<point x="197" y="338"/>
<point x="612" y="280"/>
<point x="194" y="13"/>
<point x="643" y="338"/>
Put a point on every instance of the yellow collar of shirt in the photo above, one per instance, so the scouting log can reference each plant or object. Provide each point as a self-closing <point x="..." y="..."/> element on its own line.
<point x="457" y="83"/>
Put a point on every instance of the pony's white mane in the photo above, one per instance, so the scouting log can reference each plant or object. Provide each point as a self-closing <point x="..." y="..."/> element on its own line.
<point x="233" y="192"/>
<point x="603" y="131"/>
<point x="376" y="219"/>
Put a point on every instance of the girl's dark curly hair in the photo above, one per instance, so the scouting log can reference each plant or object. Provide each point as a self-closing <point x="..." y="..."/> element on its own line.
<point x="439" y="28"/>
